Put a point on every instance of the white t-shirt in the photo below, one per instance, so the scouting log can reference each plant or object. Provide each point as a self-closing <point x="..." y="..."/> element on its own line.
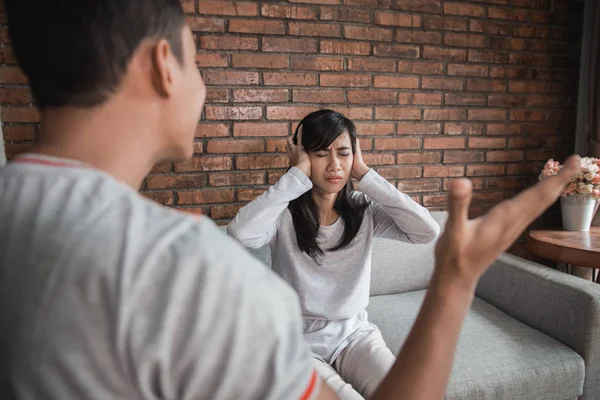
<point x="107" y="295"/>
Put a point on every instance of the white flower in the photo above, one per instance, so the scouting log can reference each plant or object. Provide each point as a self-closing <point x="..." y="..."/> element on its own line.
<point x="585" y="189"/>
<point x="590" y="176"/>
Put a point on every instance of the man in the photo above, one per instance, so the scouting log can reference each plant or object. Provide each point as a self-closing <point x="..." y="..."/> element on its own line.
<point x="106" y="295"/>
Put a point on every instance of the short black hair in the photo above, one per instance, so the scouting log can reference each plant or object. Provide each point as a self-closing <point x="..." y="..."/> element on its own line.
<point x="75" y="52"/>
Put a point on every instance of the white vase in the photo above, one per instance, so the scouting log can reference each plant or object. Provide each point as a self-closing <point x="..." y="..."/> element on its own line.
<point x="577" y="211"/>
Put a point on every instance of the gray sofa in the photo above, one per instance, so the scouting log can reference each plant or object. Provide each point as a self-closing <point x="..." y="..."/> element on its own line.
<point x="533" y="333"/>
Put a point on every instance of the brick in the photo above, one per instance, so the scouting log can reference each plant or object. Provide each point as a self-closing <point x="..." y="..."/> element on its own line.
<point x="420" y="186"/>
<point x="290" y="78"/>
<point x="371" y="96"/>
<point x="487" y="143"/>
<point x="525" y="143"/>
<point x="540" y="155"/>
<point x="368" y="33"/>
<point x="503" y="100"/>
<point x="541" y="32"/>
<point x="418" y="37"/>
<point x="487" y="114"/>
<point x="379" y="159"/>
<point x="188" y="6"/>
<point x="505" y="43"/>
<point x="494" y="28"/>
<point x="445" y="23"/>
<point x="443" y="171"/>
<point x="314" y="29"/>
<point x="470" y="10"/>
<point x="468" y="70"/>
<point x="7" y="56"/>
<point x="485" y="170"/>
<point x="477" y="183"/>
<point x="176" y="181"/>
<point x="524" y="169"/>
<point x="417" y="98"/>
<point x="231" y="78"/>
<point x="261" y="162"/>
<point x="260" y="95"/>
<point x="205" y="196"/>
<point x="550" y="101"/>
<point x="397" y="143"/>
<point x="287" y="12"/>
<point x="208" y="60"/>
<point x="429" y="157"/>
<point x="228" y="43"/>
<point x="396" y="50"/>
<point x="318" y="63"/>
<point x="424" y="6"/>
<point x="345" y="80"/>
<point x="277" y="145"/>
<point x="198" y="147"/>
<point x="425" y="68"/>
<point x="15" y="96"/>
<point x="375" y="129"/>
<point x="419" y="129"/>
<point x="540" y="4"/>
<point x="504" y="183"/>
<point x="233" y="8"/>
<point x="443" y="53"/>
<point x="443" y="143"/>
<point x="396" y="82"/>
<point x="233" y="112"/>
<point x="164" y="198"/>
<point x="485" y="85"/>
<point x="249" y="194"/>
<point x="217" y="95"/>
<point x="204" y="163"/>
<point x="508" y="13"/>
<point x="397" y="172"/>
<point x="202" y="24"/>
<point x="345" y="47"/>
<point x="528" y="115"/>
<point x="355" y="113"/>
<point x="315" y="1"/>
<point x="212" y="130"/>
<point x="270" y="61"/>
<point x="19" y="132"/>
<point x="442" y="83"/>
<point x="445" y="114"/>
<point x="12" y="75"/>
<point x="235" y="146"/>
<point x="435" y="200"/>
<point x="504" y="156"/>
<point x="236" y="178"/>
<point x="318" y="96"/>
<point x="345" y="14"/>
<point x="161" y="167"/>
<point x="509" y="72"/>
<point x="397" y="19"/>
<point x="396" y="113"/>
<point x="458" y="156"/>
<point x="504" y="129"/>
<point x="20" y="114"/>
<point x="371" y="64"/>
<point x="463" y="99"/>
<point x="273" y="176"/>
<point x="527" y="87"/>
<point x="288" y="113"/>
<point x="258" y="129"/>
<point x="548" y="129"/>
<point x="224" y="211"/>
<point x="483" y="56"/>
<point x="463" y="129"/>
<point x="289" y="45"/>
<point x="464" y="40"/>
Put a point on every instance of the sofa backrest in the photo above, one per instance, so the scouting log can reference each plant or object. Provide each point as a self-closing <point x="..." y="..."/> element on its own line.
<point x="397" y="267"/>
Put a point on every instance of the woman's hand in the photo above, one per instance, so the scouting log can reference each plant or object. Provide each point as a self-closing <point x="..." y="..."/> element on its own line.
<point x="298" y="156"/>
<point x="359" y="168"/>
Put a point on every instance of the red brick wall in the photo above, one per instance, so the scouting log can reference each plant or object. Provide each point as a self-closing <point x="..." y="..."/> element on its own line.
<point x="438" y="90"/>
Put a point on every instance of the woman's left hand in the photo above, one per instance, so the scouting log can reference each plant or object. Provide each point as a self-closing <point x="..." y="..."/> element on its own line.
<point x="359" y="168"/>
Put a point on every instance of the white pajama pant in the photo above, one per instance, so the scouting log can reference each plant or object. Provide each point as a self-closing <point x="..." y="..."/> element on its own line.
<point x="360" y="368"/>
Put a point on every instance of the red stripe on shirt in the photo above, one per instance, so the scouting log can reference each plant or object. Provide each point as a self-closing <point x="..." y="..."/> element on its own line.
<point x="311" y="387"/>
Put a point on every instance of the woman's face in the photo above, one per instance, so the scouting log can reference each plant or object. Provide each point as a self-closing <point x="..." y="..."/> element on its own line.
<point x="331" y="167"/>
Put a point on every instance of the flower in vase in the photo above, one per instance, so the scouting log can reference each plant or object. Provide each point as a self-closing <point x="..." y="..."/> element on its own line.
<point x="571" y="188"/>
<point x="584" y="189"/>
<point x="596" y="193"/>
<point x="596" y="180"/>
<point x="590" y="176"/>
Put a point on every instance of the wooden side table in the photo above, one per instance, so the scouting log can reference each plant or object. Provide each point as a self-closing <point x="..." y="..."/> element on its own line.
<point x="571" y="248"/>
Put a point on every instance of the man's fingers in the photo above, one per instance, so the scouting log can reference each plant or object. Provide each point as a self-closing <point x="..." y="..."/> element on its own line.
<point x="458" y="204"/>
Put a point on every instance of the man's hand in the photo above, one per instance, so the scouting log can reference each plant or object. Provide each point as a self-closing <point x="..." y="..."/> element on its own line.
<point x="298" y="156"/>
<point x="468" y="247"/>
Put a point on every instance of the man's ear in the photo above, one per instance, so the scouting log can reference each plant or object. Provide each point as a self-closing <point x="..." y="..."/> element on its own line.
<point x="163" y="62"/>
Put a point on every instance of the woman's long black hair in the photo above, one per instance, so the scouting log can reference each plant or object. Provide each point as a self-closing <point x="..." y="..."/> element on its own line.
<point x="319" y="130"/>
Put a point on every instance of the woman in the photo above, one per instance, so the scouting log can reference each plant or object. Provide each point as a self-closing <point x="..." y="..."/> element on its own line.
<point x="320" y="232"/>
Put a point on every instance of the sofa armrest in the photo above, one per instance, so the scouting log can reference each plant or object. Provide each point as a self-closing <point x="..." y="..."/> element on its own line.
<point x="564" y="307"/>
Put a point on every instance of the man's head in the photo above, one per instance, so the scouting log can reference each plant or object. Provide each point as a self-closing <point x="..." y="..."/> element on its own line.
<point x="83" y="54"/>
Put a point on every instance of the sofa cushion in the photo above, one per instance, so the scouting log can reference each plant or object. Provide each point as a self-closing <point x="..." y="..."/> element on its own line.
<point x="497" y="357"/>
<point x="399" y="267"/>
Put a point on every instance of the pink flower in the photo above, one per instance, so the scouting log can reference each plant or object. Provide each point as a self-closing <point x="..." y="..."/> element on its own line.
<point x="571" y="188"/>
<point x="597" y="161"/>
<point x="596" y="192"/>
<point x="596" y="180"/>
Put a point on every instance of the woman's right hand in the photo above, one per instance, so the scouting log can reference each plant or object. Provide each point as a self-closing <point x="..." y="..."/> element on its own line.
<point x="298" y="156"/>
